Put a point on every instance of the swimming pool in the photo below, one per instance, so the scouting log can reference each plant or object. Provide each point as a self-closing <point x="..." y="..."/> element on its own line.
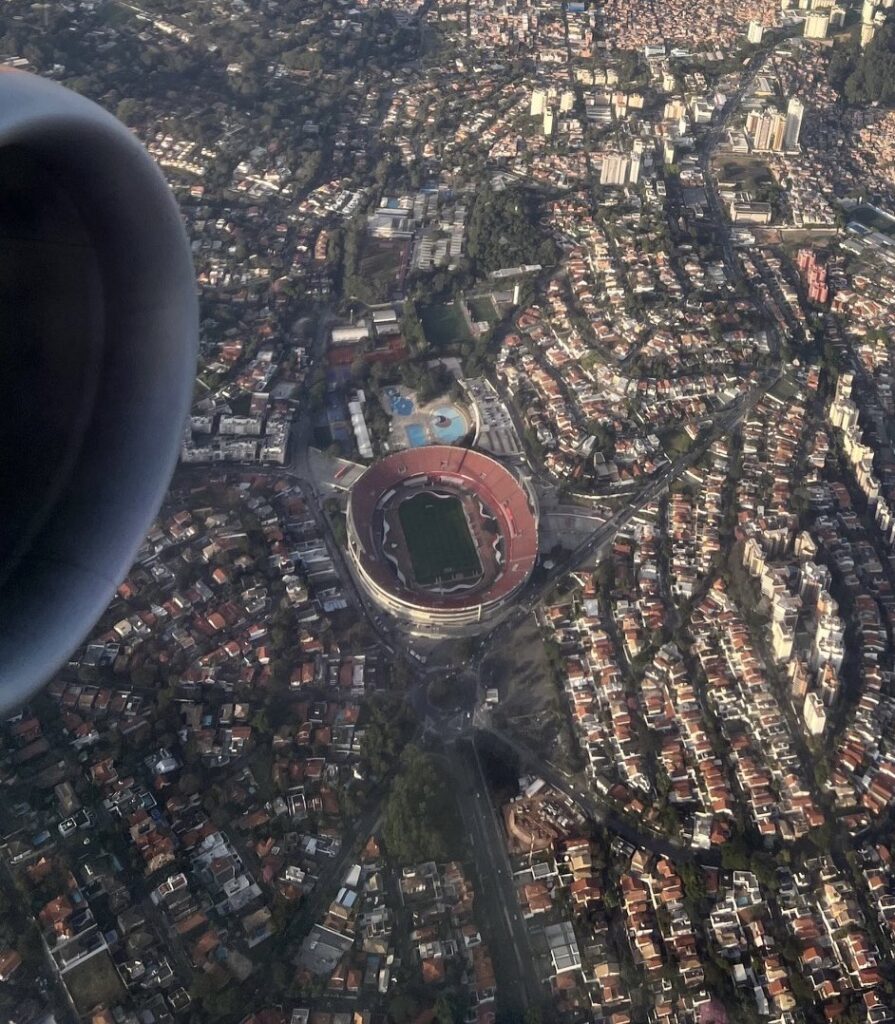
<point x="453" y="429"/>
<point x="400" y="404"/>
<point x="416" y="435"/>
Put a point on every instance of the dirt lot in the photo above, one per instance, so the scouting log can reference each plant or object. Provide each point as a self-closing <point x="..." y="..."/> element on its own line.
<point x="532" y="704"/>
<point x="382" y="267"/>
<point x="94" y="982"/>
<point x="748" y="172"/>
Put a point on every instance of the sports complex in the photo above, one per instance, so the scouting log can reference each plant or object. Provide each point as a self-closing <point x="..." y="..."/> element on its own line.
<point x="442" y="536"/>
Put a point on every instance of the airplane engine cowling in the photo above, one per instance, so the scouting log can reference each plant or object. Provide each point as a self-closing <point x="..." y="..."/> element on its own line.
<point x="98" y="338"/>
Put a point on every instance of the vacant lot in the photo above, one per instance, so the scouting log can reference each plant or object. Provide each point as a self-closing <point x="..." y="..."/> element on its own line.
<point x="677" y="442"/>
<point x="381" y="268"/>
<point x="532" y="703"/>
<point x="438" y="538"/>
<point x="785" y="388"/>
<point x="94" y="982"/>
<point x="749" y="174"/>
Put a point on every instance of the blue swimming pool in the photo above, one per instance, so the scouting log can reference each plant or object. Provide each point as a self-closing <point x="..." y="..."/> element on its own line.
<point x="416" y="435"/>
<point x="400" y="405"/>
<point x="452" y="426"/>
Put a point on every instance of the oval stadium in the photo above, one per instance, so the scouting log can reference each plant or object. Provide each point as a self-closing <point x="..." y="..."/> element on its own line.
<point x="442" y="537"/>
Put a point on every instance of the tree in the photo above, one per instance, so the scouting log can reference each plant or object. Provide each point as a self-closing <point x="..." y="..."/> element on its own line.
<point x="260" y="722"/>
<point x="420" y="815"/>
<point x="434" y="381"/>
<point x="385" y="166"/>
<point x="309" y="169"/>
<point x="632" y="69"/>
<point x="693" y="881"/>
<point x="412" y="328"/>
<point x="378" y="419"/>
<point x="842" y="64"/>
<point x="867" y="77"/>
<point x="504" y="230"/>
<point x="402" y="1008"/>
<point x="450" y="1008"/>
<point x="144" y="676"/>
<point x="339" y="529"/>
<point x="389" y="727"/>
<point x="734" y="856"/>
<point x="131" y="112"/>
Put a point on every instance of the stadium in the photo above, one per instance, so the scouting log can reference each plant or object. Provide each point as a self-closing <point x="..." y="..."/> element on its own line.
<point x="441" y="537"/>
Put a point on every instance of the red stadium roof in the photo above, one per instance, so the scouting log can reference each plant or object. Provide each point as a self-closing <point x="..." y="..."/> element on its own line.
<point x="475" y="473"/>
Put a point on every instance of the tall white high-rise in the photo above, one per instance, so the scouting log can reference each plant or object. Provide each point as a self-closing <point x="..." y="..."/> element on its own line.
<point x="614" y="169"/>
<point x="815" y="715"/>
<point x="634" y="166"/>
<point x="766" y="130"/>
<point x="755" y="33"/>
<point x="827" y="646"/>
<point x="538" y="102"/>
<point x="816" y="26"/>
<point x="795" y="111"/>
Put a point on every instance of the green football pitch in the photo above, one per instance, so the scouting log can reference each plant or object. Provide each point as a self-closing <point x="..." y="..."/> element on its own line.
<point x="438" y="539"/>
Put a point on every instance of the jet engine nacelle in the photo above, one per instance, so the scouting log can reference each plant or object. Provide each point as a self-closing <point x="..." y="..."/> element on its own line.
<point x="98" y="336"/>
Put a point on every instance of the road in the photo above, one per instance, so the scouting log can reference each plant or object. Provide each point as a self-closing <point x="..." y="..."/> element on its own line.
<point x="707" y="145"/>
<point x="507" y="937"/>
<point x="311" y="909"/>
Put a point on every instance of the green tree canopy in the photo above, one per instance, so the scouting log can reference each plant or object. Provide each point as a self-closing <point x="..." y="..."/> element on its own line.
<point x="868" y="76"/>
<point x="504" y="230"/>
<point x="386" y="732"/>
<point x="421" y="814"/>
